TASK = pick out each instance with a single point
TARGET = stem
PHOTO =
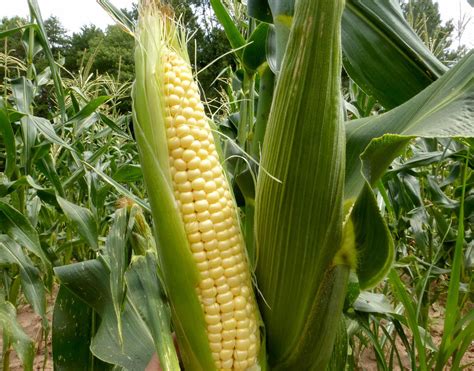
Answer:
(31, 41)
(6, 353)
(94, 330)
(246, 109)
(452, 302)
(265, 97)
(14, 290)
(386, 200)
(6, 68)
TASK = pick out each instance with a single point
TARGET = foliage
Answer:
(77, 55)
(424, 17)
(62, 172)
(12, 45)
(113, 54)
(58, 36)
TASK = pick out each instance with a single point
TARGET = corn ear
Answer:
(299, 220)
(201, 249)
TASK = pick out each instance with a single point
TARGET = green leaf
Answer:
(33, 210)
(400, 292)
(90, 281)
(31, 283)
(48, 168)
(282, 11)
(378, 45)
(113, 126)
(7, 187)
(118, 187)
(13, 31)
(298, 206)
(233, 34)
(36, 14)
(128, 174)
(19, 228)
(122, 19)
(383, 54)
(116, 255)
(82, 219)
(22, 90)
(373, 303)
(44, 77)
(442, 110)
(31, 42)
(375, 248)
(453, 311)
(259, 9)
(136, 349)
(90, 108)
(45, 127)
(265, 98)
(253, 55)
(72, 331)
(23, 345)
(9, 142)
(147, 295)
(425, 159)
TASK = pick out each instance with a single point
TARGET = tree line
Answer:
(110, 51)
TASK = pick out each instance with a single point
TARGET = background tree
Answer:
(12, 45)
(424, 17)
(113, 53)
(80, 46)
(58, 36)
(112, 50)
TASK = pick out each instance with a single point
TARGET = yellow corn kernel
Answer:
(210, 218)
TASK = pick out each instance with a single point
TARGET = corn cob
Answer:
(206, 207)
(210, 219)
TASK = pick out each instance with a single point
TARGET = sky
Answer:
(73, 14)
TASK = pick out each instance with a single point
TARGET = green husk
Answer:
(299, 222)
(157, 33)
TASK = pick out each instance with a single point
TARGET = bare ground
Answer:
(31, 324)
(368, 361)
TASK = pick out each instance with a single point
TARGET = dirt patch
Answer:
(367, 360)
(31, 324)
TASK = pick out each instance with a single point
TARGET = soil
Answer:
(368, 361)
(31, 323)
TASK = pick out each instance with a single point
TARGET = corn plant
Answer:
(54, 200)
(309, 232)
(291, 271)
(260, 254)
(213, 303)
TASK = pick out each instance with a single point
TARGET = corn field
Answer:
(317, 215)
